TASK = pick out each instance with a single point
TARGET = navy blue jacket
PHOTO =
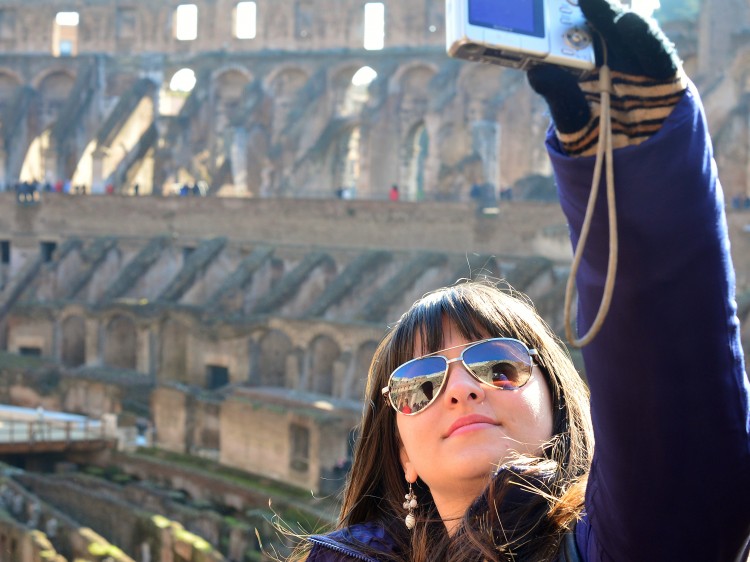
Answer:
(670, 478)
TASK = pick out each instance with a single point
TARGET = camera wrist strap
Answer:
(604, 151)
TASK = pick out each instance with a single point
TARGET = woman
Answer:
(475, 416)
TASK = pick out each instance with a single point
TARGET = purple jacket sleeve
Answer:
(671, 473)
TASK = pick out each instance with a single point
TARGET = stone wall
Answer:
(279, 115)
(287, 436)
(262, 353)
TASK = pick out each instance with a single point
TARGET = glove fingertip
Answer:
(655, 53)
(602, 14)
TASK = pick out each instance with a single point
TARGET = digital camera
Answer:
(520, 33)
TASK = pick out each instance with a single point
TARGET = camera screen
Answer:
(516, 16)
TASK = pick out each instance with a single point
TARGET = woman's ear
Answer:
(410, 473)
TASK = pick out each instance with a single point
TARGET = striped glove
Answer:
(647, 81)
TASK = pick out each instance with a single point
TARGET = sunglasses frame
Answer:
(386, 390)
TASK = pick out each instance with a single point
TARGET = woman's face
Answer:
(460, 439)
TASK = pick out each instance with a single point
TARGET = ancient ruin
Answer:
(241, 320)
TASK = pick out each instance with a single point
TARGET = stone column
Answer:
(486, 143)
(364, 181)
(162, 157)
(432, 160)
(97, 169)
(50, 161)
(94, 342)
(238, 158)
(143, 350)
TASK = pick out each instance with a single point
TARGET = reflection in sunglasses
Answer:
(501, 363)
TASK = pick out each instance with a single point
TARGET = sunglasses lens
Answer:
(504, 364)
(414, 384)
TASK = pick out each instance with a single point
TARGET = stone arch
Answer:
(283, 87)
(173, 351)
(9, 84)
(347, 98)
(414, 90)
(362, 362)
(120, 342)
(275, 348)
(38, 81)
(285, 80)
(185, 71)
(477, 101)
(323, 355)
(413, 76)
(220, 73)
(73, 349)
(228, 88)
(54, 90)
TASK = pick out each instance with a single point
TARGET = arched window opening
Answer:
(120, 343)
(183, 81)
(275, 347)
(73, 341)
(357, 92)
(172, 96)
(324, 353)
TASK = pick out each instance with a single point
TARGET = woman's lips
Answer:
(469, 423)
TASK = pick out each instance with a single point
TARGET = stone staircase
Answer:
(68, 246)
(240, 277)
(287, 287)
(197, 262)
(347, 280)
(134, 270)
(377, 307)
(122, 111)
(128, 167)
(92, 256)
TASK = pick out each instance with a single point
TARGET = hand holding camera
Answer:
(520, 33)
(647, 81)
(646, 70)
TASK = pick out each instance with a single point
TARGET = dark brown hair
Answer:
(530, 504)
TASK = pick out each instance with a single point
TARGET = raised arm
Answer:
(671, 472)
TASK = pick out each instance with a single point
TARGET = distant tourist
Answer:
(393, 194)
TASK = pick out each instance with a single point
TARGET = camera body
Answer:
(520, 33)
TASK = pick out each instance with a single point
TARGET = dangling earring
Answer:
(410, 504)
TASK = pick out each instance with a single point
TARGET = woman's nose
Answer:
(461, 386)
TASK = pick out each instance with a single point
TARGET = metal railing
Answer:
(24, 431)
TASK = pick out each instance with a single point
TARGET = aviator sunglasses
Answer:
(502, 363)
